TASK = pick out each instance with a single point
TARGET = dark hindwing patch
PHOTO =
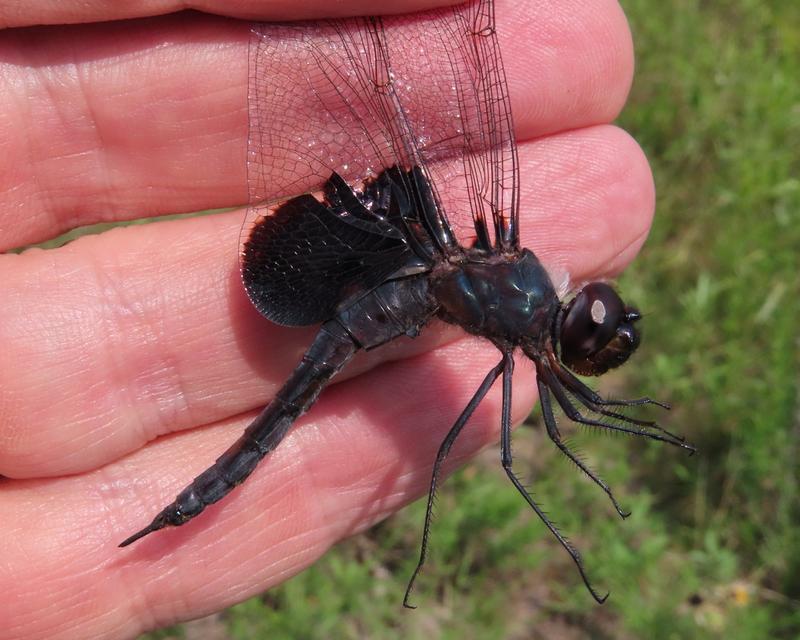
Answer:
(304, 258)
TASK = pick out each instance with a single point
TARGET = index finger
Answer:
(23, 14)
(122, 120)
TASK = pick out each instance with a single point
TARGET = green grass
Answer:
(711, 549)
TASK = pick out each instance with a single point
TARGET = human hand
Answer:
(119, 338)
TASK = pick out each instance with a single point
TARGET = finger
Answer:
(150, 117)
(367, 449)
(25, 13)
(145, 330)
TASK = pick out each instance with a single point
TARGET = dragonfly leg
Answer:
(506, 458)
(444, 449)
(574, 384)
(555, 435)
(576, 416)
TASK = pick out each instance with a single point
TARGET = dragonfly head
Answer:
(597, 330)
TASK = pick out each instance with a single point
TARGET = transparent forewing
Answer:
(320, 102)
(360, 95)
(461, 115)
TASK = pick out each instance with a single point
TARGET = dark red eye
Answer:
(597, 331)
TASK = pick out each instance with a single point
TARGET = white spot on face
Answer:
(598, 312)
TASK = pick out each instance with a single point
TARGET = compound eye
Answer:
(597, 332)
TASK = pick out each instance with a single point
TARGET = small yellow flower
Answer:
(741, 594)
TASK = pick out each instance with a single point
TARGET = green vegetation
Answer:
(711, 549)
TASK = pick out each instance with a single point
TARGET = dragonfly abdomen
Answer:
(330, 351)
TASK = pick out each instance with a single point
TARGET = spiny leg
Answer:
(444, 449)
(594, 402)
(574, 384)
(544, 380)
(576, 416)
(506, 458)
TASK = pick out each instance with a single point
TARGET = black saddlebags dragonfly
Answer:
(409, 211)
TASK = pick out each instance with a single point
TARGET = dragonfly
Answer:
(408, 185)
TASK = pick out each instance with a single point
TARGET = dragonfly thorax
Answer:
(508, 299)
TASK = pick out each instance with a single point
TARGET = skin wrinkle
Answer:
(162, 373)
(23, 106)
(157, 336)
(143, 395)
(45, 196)
(102, 167)
(36, 340)
(195, 411)
(70, 599)
(168, 413)
(142, 605)
(116, 311)
(95, 435)
(166, 378)
(161, 613)
(28, 161)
